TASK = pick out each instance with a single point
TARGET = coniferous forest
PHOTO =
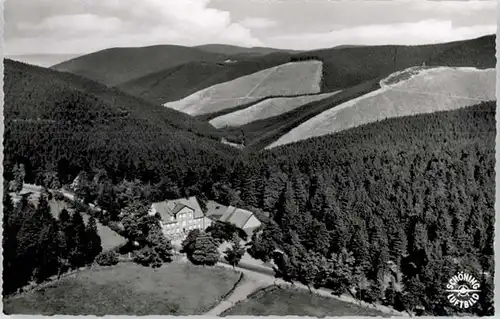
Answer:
(37, 246)
(387, 211)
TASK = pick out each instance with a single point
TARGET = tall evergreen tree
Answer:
(78, 239)
(93, 241)
(189, 242)
(234, 253)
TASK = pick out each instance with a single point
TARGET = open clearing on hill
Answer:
(292, 78)
(177, 288)
(266, 109)
(424, 91)
(273, 301)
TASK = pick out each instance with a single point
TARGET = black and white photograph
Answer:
(251, 158)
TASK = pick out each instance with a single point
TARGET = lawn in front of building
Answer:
(130, 289)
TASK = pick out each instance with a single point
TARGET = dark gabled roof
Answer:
(169, 208)
(236, 216)
(215, 209)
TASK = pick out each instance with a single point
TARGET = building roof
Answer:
(169, 208)
(236, 216)
(215, 210)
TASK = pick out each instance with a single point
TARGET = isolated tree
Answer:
(135, 220)
(189, 242)
(234, 253)
(147, 256)
(160, 244)
(205, 251)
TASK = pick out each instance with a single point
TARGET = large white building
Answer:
(179, 216)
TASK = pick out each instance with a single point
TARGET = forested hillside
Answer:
(36, 246)
(64, 123)
(350, 66)
(343, 67)
(411, 195)
(118, 65)
(417, 191)
(178, 82)
(259, 134)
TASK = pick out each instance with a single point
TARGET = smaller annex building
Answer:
(241, 218)
(179, 216)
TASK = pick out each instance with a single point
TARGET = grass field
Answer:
(181, 289)
(431, 90)
(265, 109)
(273, 301)
(287, 79)
(259, 134)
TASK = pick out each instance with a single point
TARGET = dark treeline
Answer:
(304, 57)
(36, 246)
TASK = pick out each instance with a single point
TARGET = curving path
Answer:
(256, 277)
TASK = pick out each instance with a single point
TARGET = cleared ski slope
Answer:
(265, 109)
(409, 92)
(292, 78)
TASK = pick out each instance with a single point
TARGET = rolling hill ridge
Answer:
(343, 67)
(53, 118)
(117, 65)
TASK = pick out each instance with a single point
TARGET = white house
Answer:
(179, 216)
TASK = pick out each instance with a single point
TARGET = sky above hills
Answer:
(83, 26)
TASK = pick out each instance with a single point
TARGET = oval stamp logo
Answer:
(463, 290)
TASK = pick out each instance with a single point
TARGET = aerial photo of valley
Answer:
(249, 158)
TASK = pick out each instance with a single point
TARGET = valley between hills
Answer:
(366, 173)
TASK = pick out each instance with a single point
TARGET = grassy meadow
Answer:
(440, 89)
(273, 301)
(286, 79)
(177, 288)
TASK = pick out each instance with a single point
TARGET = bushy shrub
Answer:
(148, 257)
(107, 258)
